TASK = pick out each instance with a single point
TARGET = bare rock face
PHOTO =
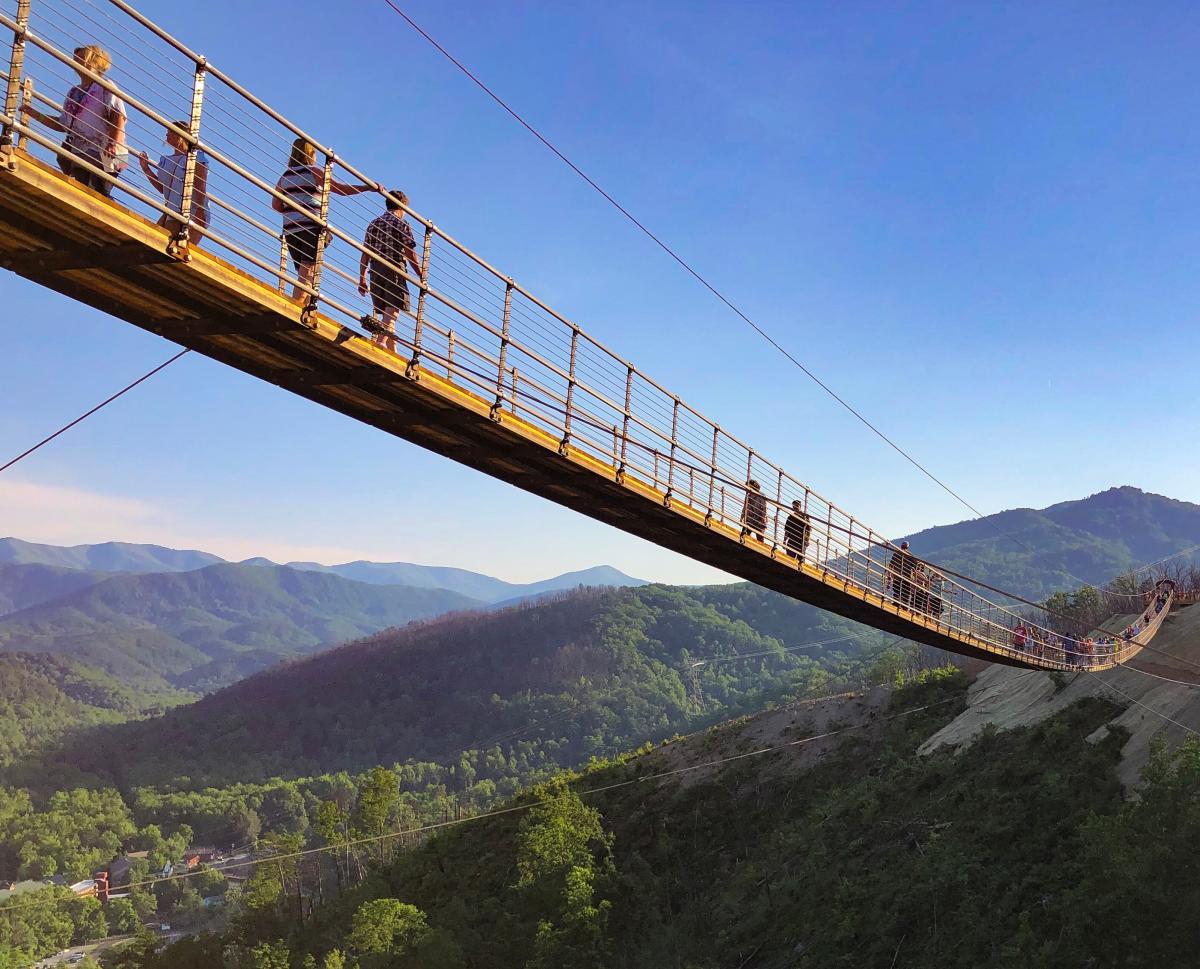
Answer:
(1155, 705)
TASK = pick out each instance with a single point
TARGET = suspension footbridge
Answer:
(485, 372)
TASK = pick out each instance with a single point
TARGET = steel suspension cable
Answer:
(84, 416)
(705, 282)
(1146, 706)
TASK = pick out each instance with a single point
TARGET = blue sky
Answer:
(975, 221)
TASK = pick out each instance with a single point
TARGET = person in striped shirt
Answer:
(301, 183)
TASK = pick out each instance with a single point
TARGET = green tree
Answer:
(557, 851)
(269, 955)
(188, 909)
(245, 825)
(387, 927)
(144, 903)
(122, 916)
(90, 923)
(11, 958)
(1134, 876)
(557, 836)
(377, 800)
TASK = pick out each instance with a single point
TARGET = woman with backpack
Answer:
(301, 184)
(93, 119)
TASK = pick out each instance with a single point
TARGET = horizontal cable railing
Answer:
(465, 319)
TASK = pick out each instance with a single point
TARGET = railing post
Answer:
(674, 445)
(712, 467)
(503, 362)
(850, 550)
(16, 68)
(307, 317)
(450, 355)
(828, 532)
(178, 246)
(625, 422)
(514, 391)
(283, 261)
(778, 503)
(414, 364)
(566, 438)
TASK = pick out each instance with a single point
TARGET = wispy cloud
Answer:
(64, 515)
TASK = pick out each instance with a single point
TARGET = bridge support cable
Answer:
(86, 414)
(487, 373)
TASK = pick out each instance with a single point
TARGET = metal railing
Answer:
(483, 330)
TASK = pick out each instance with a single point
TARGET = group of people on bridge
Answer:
(797, 529)
(909, 581)
(95, 152)
(919, 587)
(914, 584)
(1087, 650)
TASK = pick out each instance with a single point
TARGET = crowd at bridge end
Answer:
(920, 588)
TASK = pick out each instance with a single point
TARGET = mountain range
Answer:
(159, 619)
(126, 557)
(207, 627)
(1035, 552)
(199, 630)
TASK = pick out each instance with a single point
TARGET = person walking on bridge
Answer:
(389, 250)
(754, 512)
(93, 119)
(301, 184)
(796, 531)
(168, 177)
(900, 573)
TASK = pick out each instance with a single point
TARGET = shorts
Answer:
(85, 176)
(302, 243)
(389, 291)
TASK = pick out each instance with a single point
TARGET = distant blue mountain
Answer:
(126, 557)
(485, 588)
(107, 557)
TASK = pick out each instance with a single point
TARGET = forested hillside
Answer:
(592, 672)
(1018, 851)
(44, 699)
(447, 717)
(450, 716)
(22, 586)
(200, 629)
